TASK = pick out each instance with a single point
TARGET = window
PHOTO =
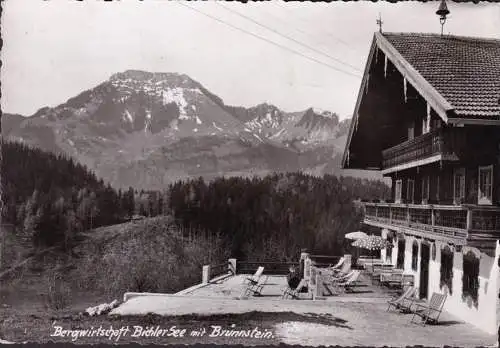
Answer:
(398, 191)
(388, 250)
(414, 256)
(438, 188)
(411, 131)
(470, 278)
(410, 190)
(425, 125)
(446, 269)
(485, 187)
(436, 124)
(400, 262)
(459, 186)
(425, 189)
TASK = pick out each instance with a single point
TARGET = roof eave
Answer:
(428, 92)
(355, 116)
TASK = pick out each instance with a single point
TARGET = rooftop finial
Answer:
(442, 12)
(379, 22)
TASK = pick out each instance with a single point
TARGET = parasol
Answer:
(371, 243)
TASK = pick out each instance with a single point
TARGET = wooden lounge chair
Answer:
(294, 293)
(407, 304)
(338, 264)
(391, 277)
(255, 289)
(346, 267)
(331, 282)
(431, 311)
(407, 295)
(348, 283)
(254, 279)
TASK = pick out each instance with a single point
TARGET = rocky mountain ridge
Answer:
(147, 129)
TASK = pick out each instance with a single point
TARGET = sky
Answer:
(293, 55)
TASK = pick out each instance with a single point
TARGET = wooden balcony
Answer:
(450, 223)
(441, 144)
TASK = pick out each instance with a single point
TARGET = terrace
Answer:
(356, 318)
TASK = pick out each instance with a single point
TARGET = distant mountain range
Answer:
(146, 130)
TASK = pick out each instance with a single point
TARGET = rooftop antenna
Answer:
(442, 12)
(379, 22)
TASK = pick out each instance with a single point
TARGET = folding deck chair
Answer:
(343, 284)
(294, 293)
(343, 270)
(254, 283)
(255, 289)
(391, 277)
(407, 295)
(338, 264)
(431, 311)
(330, 282)
(254, 279)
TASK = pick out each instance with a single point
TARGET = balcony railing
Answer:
(445, 220)
(442, 141)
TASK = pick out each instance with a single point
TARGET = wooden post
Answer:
(232, 266)
(2, 242)
(469, 219)
(205, 275)
(433, 218)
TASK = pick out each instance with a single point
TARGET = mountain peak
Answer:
(152, 77)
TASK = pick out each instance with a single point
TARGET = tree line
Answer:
(276, 216)
(50, 198)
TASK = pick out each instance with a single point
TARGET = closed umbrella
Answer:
(356, 235)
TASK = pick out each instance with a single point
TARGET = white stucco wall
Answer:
(485, 315)
(408, 257)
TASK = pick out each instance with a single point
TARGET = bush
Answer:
(151, 256)
(58, 291)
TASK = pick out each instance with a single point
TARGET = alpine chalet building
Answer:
(428, 117)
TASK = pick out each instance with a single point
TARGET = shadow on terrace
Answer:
(359, 302)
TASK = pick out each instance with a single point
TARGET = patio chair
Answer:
(330, 282)
(397, 301)
(338, 264)
(391, 276)
(348, 283)
(407, 304)
(255, 289)
(294, 293)
(345, 269)
(254, 279)
(431, 311)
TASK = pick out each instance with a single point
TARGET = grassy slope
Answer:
(108, 261)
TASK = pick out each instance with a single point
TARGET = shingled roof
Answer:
(464, 70)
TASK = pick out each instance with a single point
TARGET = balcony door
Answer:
(424, 270)
(398, 191)
(459, 186)
(426, 183)
(410, 191)
(485, 190)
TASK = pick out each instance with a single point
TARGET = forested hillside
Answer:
(274, 217)
(49, 198)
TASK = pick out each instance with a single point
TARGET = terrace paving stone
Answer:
(364, 314)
